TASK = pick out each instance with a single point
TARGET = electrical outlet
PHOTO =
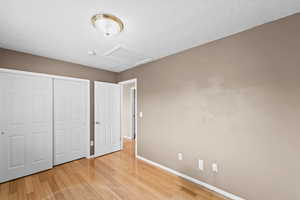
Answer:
(215, 167)
(180, 156)
(92, 143)
(201, 165)
(141, 114)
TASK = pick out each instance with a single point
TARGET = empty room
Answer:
(149, 100)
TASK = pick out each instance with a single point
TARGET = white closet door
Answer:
(70, 120)
(107, 118)
(26, 115)
(2, 126)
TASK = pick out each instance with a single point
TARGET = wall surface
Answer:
(236, 102)
(26, 62)
(127, 111)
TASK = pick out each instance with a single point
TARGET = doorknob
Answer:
(97, 123)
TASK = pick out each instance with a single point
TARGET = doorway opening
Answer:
(129, 115)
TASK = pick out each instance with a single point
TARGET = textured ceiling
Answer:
(61, 29)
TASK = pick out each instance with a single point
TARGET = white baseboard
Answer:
(90, 157)
(126, 137)
(210, 187)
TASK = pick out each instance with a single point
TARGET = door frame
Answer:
(132, 111)
(122, 83)
(88, 132)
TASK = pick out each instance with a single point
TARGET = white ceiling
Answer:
(154, 29)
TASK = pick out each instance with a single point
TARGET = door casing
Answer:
(122, 83)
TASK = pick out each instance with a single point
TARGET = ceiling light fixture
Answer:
(108, 24)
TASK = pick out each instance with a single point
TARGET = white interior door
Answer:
(26, 125)
(107, 118)
(70, 120)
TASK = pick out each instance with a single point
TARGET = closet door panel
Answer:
(78, 119)
(3, 128)
(26, 144)
(17, 133)
(41, 124)
(70, 120)
(61, 121)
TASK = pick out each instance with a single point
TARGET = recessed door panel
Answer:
(17, 150)
(75, 139)
(40, 109)
(18, 108)
(38, 142)
(60, 149)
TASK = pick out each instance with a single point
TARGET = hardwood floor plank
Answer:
(4, 191)
(39, 192)
(48, 191)
(28, 185)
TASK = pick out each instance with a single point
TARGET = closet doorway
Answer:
(44, 121)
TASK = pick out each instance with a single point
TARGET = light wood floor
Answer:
(117, 176)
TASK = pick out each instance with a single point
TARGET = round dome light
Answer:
(108, 24)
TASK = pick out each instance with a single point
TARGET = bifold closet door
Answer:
(70, 120)
(26, 145)
(107, 118)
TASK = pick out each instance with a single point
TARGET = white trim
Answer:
(131, 110)
(126, 137)
(121, 115)
(210, 187)
(88, 151)
(90, 157)
(41, 74)
(134, 80)
(128, 81)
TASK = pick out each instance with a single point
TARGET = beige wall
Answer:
(127, 111)
(235, 101)
(26, 62)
